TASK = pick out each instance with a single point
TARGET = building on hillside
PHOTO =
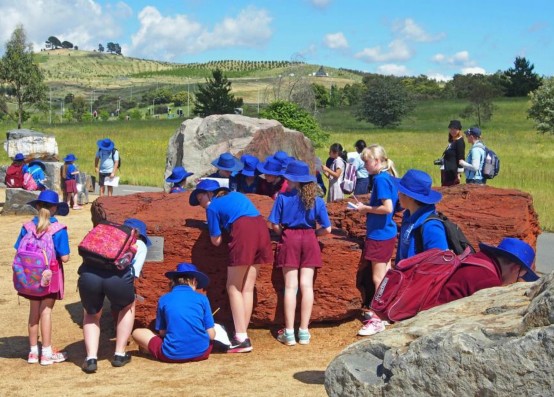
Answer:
(321, 72)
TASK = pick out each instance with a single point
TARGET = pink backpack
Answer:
(36, 271)
(109, 246)
(29, 182)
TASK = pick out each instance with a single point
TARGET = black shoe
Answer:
(120, 361)
(240, 347)
(89, 366)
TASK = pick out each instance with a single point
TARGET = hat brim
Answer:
(300, 178)
(70, 159)
(495, 251)
(262, 170)
(433, 197)
(62, 209)
(175, 179)
(201, 278)
(237, 165)
(193, 200)
(248, 172)
(99, 144)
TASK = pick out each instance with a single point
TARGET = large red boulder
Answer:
(484, 213)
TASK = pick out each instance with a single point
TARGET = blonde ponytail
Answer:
(43, 218)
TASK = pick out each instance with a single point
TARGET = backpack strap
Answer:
(54, 227)
(481, 260)
(418, 232)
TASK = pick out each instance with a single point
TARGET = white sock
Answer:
(120, 354)
(303, 330)
(241, 337)
(34, 349)
(91, 357)
(289, 331)
(46, 350)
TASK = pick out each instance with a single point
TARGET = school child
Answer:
(335, 172)
(70, 173)
(248, 179)
(14, 173)
(294, 216)
(380, 226)
(178, 178)
(363, 185)
(95, 284)
(273, 183)
(40, 311)
(36, 168)
(249, 247)
(184, 320)
(227, 166)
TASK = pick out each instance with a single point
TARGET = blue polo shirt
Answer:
(288, 211)
(177, 189)
(60, 238)
(70, 170)
(224, 211)
(382, 227)
(185, 315)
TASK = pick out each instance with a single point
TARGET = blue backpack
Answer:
(491, 165)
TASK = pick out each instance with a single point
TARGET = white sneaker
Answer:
(372, 326)
(55, 357)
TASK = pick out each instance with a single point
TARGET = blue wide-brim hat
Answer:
(205, 185)
(70, 157)
(417, 185)
(227, 162)
(51, 197)
(105, 144)
(518, 251)
(19, 157)
(270, 166)
(298, 171)
(140, 226)
(250, 162)
(188, 269)
(178, 174)
(39, 163)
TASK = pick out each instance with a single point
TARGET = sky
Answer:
(398, 37)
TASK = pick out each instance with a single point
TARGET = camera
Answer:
(438, 162)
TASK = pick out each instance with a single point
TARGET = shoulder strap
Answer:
(30, 226)
(479, 259)
(418, 233)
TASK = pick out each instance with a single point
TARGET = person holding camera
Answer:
(454, 152)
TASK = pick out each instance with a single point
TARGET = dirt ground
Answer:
(272, 369)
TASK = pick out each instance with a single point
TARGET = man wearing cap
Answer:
(475, 158)
(106, 163)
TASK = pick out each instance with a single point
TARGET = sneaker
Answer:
(120, 361)
(304, 337)
(77, 207)
(240, 347)
(55, 357)
(32, 358)
(372, 326)
(286, 339)
(90, 366)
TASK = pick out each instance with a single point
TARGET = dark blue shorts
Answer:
(102, 177)
(96, 284)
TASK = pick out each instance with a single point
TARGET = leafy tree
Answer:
(180, 98)
(68, 115)
(422, 87)
(67, 44)
(54, 41)
(385, 101)
(76, 48)
(353, 93)
(3, 108)
(18, 71)
(521, 78)
(135, 114)
(104, 115)
(100, 47)
(117, 48)
(480, 93)
(79, 108)
(110, 47)
(68, 98)
(336, 97)
(295, 117)
(215, 96)
(542, 106)
(321, 96)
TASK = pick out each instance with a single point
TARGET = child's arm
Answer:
(211, 333)
(384, 209)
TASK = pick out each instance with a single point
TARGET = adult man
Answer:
(106, 163)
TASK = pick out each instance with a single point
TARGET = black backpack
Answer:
(457, 241)
(113, 157)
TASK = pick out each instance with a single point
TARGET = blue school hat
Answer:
(19, 157)
(417, 185)
(271, 166)
(227, 162)
(51, 197)
(206, 185)
(188, 269)
(105, 144)
(140, 226)
(178, 174)
(518, 251)
(70, 157)
(250, 162)
(298, 171)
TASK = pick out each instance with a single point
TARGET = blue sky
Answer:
(401, 37)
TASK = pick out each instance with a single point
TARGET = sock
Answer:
(47, 350)
(303, 330)
(289, 331)
(120, 354)
(241, 337)
(91, 357)
(34, 349)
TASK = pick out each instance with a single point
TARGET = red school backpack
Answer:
(14, 176)
(416, 283)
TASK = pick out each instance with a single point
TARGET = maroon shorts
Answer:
(298, 248)
(71, 186)
(250, 243)
(155, 349)
(379, 251)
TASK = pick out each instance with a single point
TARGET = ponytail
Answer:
(43, 218)
(378, 152)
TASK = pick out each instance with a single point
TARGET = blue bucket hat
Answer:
(178, 174)
(206, 185)
(188, 269)
(250, 162)
(141, 227)
(51, 197)
(417, 185)
(19, 157)
(105, 144)
(518, 251)
(270, 166)
(227, 162)
(70, 157)
(298, 171)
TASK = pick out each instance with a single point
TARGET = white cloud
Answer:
(460, 60)
(398, 50)
(473, 70)
(165, 37)
(392, 69)
(320, 3)
(408, 29)
(439, 77)
(335, 41)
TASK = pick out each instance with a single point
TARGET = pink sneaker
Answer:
(55, 357)
(32, 358)
(372, 326)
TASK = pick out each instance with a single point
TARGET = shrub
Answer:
(542, 106)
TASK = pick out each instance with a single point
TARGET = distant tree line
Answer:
(54, 43)
(112, 48)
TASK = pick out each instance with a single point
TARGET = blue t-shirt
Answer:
(434, 235)
(106, 162)
(225, 210)
(185, 315)
(60, 238)
(177, 189)
(70, 170)
(380, 226)
(243, 187)
(288, 211)
(38, 174)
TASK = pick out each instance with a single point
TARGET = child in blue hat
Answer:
(227, 167)
(70, 173)
(178, 178)
(248, 179)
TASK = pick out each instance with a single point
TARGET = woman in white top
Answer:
(335, 173)
(473, 164)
